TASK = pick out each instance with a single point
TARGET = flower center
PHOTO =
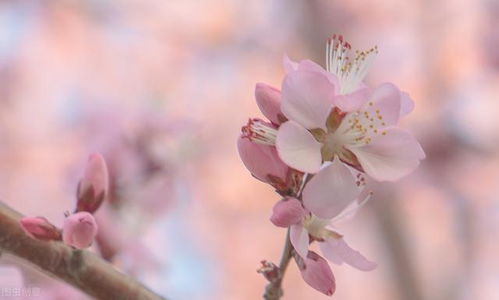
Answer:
(350, 72)
(316, 227)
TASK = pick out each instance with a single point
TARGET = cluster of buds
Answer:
(79, 228)
(327, 137)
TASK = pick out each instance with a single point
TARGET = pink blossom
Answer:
(332, 114)
(316, 272)
(94, 185)
(79, 230)
(312, 228)
(40, 228)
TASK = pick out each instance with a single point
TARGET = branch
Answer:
(274, 291)
(80, 268)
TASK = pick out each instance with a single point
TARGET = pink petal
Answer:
(318, 274)
(351, 210)
(353, 101)
(406, 104)
(299, 239)
(288, 64)
(261, 160)
(330, 191)
(385, 103)
(79, 230)
(307, 98)
(287, 212)
(390, 156)
(298, 148)
(338, 249)
(268, 100)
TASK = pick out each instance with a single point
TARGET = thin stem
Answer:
(274, 291)
(80, 268)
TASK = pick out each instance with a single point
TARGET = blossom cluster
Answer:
(79, 228)
(327, 136)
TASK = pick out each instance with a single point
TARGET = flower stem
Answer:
(274, 291)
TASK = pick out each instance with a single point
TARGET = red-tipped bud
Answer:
(287, 212)
(79, 230)
(316, 272)
(40, 228)
(93, 187)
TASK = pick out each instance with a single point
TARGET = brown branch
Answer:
(274, 291)
(80, 268)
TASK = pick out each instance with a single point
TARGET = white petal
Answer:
(298, 148)
(330, 191)
(307, 98)
(299, 239)
(337, 250)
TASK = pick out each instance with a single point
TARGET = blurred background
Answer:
(161, 88)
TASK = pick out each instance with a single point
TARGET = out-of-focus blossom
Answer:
(316, 272)
(94, 185)
(79, 230)
(334, 114)
(40, 228)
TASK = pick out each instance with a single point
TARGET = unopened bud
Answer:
(79, 230)
(93, 187)
(40, 228)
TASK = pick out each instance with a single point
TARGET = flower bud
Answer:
(40, 228)
(263, 162)
(93, 187)
(316, 272)
(268, 100)
(287, 212)
(79, 230)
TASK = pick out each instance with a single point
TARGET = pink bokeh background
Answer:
(161, 88)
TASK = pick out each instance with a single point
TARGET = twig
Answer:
(274, 291)
(80, 268)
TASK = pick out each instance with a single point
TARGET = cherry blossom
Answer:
(332, 113)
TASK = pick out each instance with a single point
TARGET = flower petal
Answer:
(298, 148)
(261, 160)
(307, 98)
(406, 104)
(330, 191)
(389, 156)
(337, 249)
(287, 212)
(385, 101)
(289, 65)
(299, 239)
(268, 100)
(353, 101)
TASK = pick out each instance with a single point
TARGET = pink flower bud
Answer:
(316, 272)
(79, 230)
(287, 212)
(93, 187)
(263, 162)
(268, 100)
(40, 228)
